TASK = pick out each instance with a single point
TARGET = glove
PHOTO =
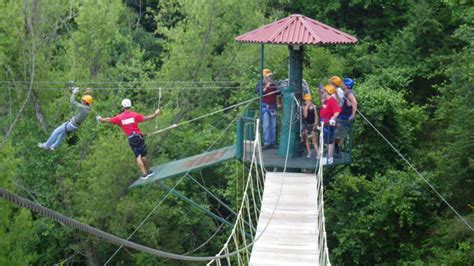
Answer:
(75, 90)
(88, 91)
(98, 118)
(332, 122)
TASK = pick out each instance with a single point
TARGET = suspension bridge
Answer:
(281, 218)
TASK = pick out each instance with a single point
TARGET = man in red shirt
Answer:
(129, 121)
(328, 115)
(270, 102)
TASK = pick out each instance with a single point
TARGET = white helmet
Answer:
(126, 103)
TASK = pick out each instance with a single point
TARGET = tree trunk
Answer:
(39, 114)
(91, 254)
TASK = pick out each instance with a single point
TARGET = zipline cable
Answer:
(416, 171)
(143, 88)
(129, 82)
(206, 115)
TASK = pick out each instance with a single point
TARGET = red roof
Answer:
(299, 30)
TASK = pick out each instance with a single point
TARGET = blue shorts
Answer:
(137, 144)
(329, 134)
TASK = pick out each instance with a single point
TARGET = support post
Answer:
(291, 139)
(239, 140)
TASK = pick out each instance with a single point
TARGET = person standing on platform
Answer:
(270, 102)
(337, 82)
(328, 115)
(348, 113)
(129, 121)
(310, 121)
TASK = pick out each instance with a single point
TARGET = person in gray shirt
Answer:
(83, 110)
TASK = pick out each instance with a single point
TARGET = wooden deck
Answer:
(273, 162)
(291, 235)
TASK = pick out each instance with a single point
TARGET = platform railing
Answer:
(341, 138)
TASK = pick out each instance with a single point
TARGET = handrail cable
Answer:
(416, 171)
(257, 143)
(322, 240)
(206, 115)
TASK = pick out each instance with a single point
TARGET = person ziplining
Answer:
(129, 121)
(83, 110)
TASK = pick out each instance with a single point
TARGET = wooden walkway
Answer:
(291, 235)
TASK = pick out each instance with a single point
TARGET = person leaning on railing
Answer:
(328, 114)
(348, 112)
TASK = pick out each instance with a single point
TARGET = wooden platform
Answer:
(291, 235)
(272, 160)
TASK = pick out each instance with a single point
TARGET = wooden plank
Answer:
(287, 232)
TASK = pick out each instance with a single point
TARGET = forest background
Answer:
(414, 73)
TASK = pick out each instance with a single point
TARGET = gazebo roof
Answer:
(297, 30)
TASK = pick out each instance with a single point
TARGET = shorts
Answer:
(137, 143)
(328, 133)
(308, 129)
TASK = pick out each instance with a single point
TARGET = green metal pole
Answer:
(294, 89)
(192, 203)
(239, 145)
(197, 206)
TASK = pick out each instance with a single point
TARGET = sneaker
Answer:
(43, 146)
(330, 160)
(266, 147)
(144, 176)
(308, 155)
(52, 148)
(151, 173)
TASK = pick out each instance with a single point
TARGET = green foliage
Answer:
(380, 220)
(413, 68)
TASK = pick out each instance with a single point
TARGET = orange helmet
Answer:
(87, 99)
(330, 89)
(267, 72)
(307, 97)
(336, 80)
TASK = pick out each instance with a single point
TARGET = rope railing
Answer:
(323, 252)
(244, 205)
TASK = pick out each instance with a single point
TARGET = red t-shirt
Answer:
(270, 99)
(329, 108)
(128, 121)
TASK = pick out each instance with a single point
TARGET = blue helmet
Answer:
(349, 83)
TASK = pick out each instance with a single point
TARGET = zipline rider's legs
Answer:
(58, 135)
